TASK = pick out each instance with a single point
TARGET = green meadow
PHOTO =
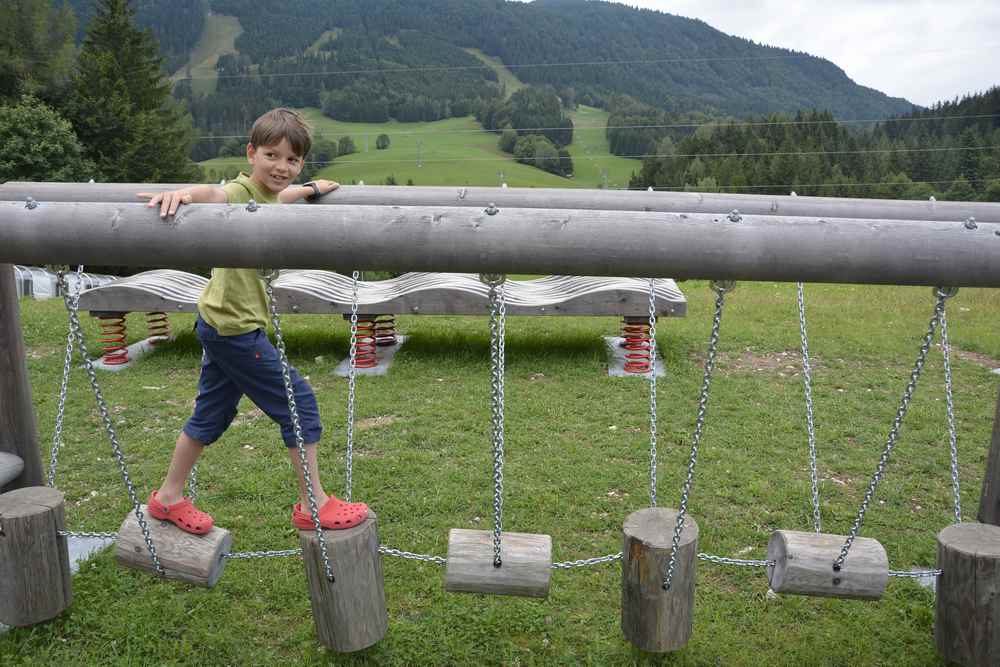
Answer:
(577, 466)
(217, 39)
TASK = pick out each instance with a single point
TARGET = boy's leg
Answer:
(186, 453)
(313, 463)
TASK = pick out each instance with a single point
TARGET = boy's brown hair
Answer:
(282, 123)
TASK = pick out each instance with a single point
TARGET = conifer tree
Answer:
(121, 107)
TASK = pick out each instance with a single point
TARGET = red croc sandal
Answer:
(182, 514)
(335, 514)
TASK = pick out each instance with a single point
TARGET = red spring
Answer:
(158, 325)
(637, 346)
(385, 330)
(112, 339)
(365, 356)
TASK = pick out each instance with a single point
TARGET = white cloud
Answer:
(923, 50)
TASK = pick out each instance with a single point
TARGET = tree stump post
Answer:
(654, 619)
(35, 583)
(989, 501)
(967, 619)
(18, 428)
(349, 612)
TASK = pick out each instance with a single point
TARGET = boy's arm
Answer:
(293, 193)
(196, 194)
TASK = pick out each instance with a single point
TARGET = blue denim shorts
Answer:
(232, 366)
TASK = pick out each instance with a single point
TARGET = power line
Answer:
(716, 123)
(790, 186)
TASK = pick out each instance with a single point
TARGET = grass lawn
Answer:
(577, 465)
(455, 152)
(217, 39)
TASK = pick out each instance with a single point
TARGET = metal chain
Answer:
(293, 410)
(897, 423)
(81, 343)
(57, 442)
(916, 574)
(585, 562)
(498, 312)
(950, 405)
(351, 383)
(720, 288)
(193, 483)
(262, 554)
(810, 425)
(742, 562)
(652, 394)
(102, 536)
(389, 551)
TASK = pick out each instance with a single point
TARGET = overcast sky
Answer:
(923, 50)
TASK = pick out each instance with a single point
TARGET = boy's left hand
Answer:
(326, 186)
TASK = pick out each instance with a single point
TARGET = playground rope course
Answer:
(661, 544)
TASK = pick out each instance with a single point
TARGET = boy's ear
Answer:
(251, 151)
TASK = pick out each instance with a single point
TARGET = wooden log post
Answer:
(18, 428)
(989, 501)
(525, 569)
(967, 620)
(196, 559)
(803, 565)
(654, 619)
(35, 583)
(349, 612)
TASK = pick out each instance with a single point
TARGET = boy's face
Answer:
(274, 166)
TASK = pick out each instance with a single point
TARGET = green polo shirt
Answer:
(234, 301)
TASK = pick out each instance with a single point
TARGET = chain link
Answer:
(389, 551)
(57, 442)
(282, 553)
(351, 383)
(102, 536)
(742, 562)
(897, 424)
(293, 410)
(498, 313)
(810, 424)
(949, 403)
(74, 319)
(570, 564)
(916, 574)
(720, 289)
(652, 394)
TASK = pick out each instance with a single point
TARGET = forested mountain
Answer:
(381, 55)
(950, 151)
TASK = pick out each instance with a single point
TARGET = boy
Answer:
(238, 358)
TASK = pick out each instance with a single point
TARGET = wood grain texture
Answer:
(654, 619)
(18, 428)
(967, 620)
(989, 501)
(526, 567)
(349, 612)
(804, 566)
(196, 559)
(35, 583)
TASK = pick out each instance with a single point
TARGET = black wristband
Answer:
(316, 193)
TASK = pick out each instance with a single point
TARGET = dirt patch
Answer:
(785, 363)
(975, 357)
(375, 422)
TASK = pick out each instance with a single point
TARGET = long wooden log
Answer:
(989, 500)
(803, 565)
(525, 568)
(546, 241)
(18, 428)
(564, 198)
(35, 582)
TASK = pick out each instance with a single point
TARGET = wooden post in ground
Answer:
(654, 619)
(349, 612)
(18, 429)
(967, 619)
(989, 501)
(34, 558)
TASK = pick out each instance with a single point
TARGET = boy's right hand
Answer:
(168, 201)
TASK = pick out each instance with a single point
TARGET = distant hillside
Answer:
(673, 63)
